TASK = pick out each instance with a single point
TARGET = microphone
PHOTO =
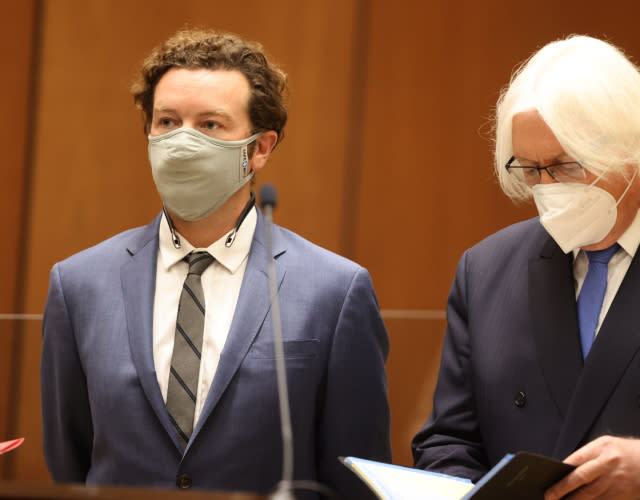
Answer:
(285, 486)
(268, 198)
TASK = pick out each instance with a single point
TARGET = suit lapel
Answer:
(138, 278)
(555, 324)
(616, 344)
(250, 314)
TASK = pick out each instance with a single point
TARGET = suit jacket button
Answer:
(184, 481)
(520, 399)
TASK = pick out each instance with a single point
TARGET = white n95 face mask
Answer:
(194, 173)
(575, 214)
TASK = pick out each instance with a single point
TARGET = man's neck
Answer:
(204, 232)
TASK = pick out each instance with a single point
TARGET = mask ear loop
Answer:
(635, 173)
(252, 199)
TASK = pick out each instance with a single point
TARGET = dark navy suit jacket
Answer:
(105, 421)
(512, 375)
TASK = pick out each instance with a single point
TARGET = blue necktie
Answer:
(592, 295)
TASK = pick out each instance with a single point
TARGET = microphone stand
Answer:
(284, 490)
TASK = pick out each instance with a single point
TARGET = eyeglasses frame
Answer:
(546, 168)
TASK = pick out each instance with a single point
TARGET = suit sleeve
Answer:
(450, 442)
(354, 417)
(66, 416)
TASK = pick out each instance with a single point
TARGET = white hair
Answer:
(588, 93)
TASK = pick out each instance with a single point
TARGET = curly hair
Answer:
(202, 49)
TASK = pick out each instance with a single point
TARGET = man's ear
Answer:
(263, 147)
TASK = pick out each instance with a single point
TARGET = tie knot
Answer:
(198, 262)
(602, 256)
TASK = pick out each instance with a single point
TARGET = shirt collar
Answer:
(229, 257)
(629, 240)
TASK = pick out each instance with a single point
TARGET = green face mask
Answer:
(194, 173)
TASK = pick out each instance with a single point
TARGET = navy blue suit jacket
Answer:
(512, 375)
(104, 418)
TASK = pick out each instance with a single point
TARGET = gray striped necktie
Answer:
(185, 361)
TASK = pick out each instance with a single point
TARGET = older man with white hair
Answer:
(542, 349)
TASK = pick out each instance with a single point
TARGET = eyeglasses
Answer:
(568, 171)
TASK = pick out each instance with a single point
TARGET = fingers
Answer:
(608, 467)
(590, 451)
(583, 475)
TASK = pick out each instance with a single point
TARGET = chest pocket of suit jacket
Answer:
(293, 349)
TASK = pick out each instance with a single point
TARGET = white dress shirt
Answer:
(618, 266)
(221, 283)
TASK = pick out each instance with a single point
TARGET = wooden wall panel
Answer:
(415, 344)
(428, 191)
(435, 71)
(17, 33)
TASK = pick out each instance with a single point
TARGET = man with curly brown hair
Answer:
(158, 356)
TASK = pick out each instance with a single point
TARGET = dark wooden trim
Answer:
(355, 131)
(22, 236)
